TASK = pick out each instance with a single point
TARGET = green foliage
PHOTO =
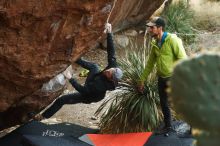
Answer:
(179, 19)
(207, 139)
(131, 111)
(134, 62)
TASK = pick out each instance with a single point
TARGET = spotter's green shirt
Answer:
(165, 57)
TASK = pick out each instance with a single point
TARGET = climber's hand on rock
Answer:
(108, 28)
(68, 73)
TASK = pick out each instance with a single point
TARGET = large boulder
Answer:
(40, 39)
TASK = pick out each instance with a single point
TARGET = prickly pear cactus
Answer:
(195, 91)
(207, 139)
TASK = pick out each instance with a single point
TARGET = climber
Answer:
(96, 84)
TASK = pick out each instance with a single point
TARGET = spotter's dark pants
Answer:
(162, 86)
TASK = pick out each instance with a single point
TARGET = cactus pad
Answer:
(195, 91)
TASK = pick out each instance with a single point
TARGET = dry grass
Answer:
(207, 14)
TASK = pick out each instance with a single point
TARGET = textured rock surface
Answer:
(39, 39)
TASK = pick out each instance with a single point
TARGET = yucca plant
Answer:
(129, 110)
(180, 20)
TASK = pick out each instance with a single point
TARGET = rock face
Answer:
(39, 39)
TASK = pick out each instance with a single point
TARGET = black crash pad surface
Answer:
(54, 134)
(65, 134)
